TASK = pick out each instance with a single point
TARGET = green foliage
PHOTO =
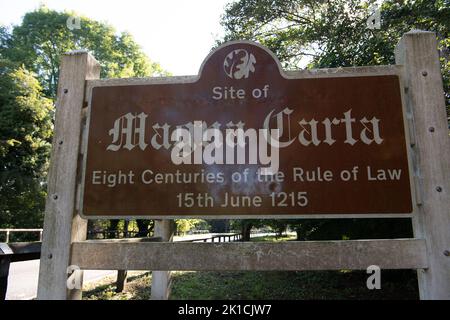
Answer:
(265, 285)
(25, 134)
(5, 38)
(43, 37)
(185, 225)
(326, 34)
(334, 33)
(218, 225)
(274, 238)
(343, 229)
(289, 285)
(278, 226)
(26, 118)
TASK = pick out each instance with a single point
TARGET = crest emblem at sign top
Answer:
(239, 63)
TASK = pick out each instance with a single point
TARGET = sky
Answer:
(176, 33)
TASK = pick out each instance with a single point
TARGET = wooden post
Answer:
(417, 52)
(121, 280)
(161, 280)
(5, 261)
(4, 272)
(62, 224)
(7, 236)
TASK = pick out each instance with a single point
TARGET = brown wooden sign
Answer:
(245, 139)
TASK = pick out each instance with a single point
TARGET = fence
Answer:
(118, 234)
(17, 252)
(101, 234)
(10, 231)
(111, 234)
(230, 237)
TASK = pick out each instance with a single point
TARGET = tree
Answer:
(279, 226)
(246, 226)
(335, 33)
(37, 44)
(145, 227)
(219, 225)
(43, 36)
(185, 225)
(5, 38)
(324, 34)
(25, 134)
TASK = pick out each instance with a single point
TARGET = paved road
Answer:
(23, 279)
(23, 276)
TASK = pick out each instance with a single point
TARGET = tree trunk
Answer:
(112, 230)
(143, 228)
(245, 230)
(125, 229)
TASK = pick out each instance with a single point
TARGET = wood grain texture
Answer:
(313, 255)
(417, 52)
(62, 225)
(162, 280)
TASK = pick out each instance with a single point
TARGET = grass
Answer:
(137, 288)
(282, 285)
(274, 238)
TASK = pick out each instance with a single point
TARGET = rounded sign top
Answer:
(239, 61)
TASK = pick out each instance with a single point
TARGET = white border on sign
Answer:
(297, 74)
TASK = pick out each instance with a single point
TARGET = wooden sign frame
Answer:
(64, 239)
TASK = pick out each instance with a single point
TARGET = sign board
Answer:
(245, 139)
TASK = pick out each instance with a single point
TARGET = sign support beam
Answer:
(424, 91)
(62, 223)
(161, 280)
(251, 256)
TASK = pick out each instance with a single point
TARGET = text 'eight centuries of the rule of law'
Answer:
(246, 176)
